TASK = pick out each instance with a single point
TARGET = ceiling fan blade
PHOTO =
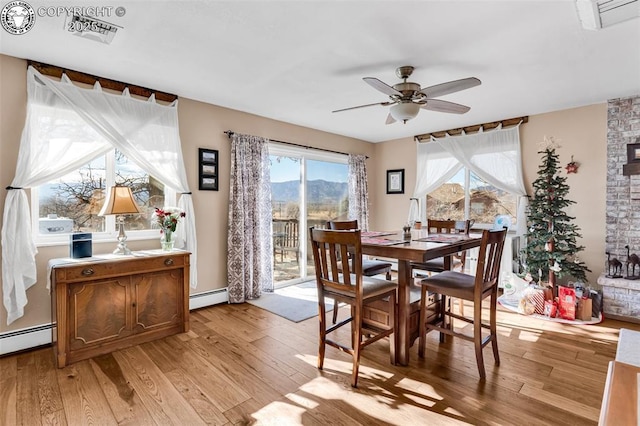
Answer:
(381, 86)
(363, 106)
(390, 119)
(445, 106)
(450, 87)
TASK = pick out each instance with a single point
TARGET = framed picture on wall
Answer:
(395, 181)
(633, 152)
(208, 169)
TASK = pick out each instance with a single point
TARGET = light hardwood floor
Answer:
(243, 365)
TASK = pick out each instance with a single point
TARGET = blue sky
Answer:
(287, 169)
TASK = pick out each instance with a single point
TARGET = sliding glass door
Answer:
(308, 188)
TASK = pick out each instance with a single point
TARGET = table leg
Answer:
(404, 312)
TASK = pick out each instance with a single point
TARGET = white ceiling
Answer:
(296, 61)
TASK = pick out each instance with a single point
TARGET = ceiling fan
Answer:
(407, 98)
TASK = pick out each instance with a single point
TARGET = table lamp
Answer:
(120, 202)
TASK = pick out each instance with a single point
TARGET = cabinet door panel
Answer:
(159, 299)
(99, 311)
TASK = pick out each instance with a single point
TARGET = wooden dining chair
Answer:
(370, 267)
(476, 288)
(348, 284)
(441, 264)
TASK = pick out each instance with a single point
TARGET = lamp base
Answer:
(122, 237)
(122, 249)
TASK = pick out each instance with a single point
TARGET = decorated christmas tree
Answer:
(551, 248)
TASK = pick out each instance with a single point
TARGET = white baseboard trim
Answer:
(208, 298)
(26, 338)
(31, 337)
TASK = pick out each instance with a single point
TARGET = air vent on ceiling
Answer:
(597, 14)
(91, 28)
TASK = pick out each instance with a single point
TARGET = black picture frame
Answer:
(395, 181)
(633, 153)
(208, 169)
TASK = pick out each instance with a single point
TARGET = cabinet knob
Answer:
(88, 271)
(168, 262)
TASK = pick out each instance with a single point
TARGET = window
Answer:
(72, 203)
(466, 196)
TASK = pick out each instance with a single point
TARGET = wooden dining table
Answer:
(422, 247)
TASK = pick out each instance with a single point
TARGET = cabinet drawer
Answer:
(98, 270)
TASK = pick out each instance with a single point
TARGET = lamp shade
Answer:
(119, 201)
(404, 111)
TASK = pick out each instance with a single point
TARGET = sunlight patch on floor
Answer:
(453, 412)
(413, 387)
(528, 336)
(302, 401)
(279, 413)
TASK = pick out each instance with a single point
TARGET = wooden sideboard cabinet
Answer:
(112, 302)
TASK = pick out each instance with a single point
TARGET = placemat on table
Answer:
(382, 241)
(373, 234)
(443, 238)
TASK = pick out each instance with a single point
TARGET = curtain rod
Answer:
(105, 83)
(426, 137)
(230, 133)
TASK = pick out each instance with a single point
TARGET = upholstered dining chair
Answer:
(370, 267)
(472, 288)
(349, 285)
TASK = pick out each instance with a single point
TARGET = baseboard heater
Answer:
(32, 337)
(25, 338)
(208, 298)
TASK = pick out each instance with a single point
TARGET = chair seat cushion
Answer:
(372, 267)
(435, 265)
(375, 267)
(370, 287)
(451, 283)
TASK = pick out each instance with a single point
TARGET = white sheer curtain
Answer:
(66, 127)
(436, 166)
(249, 240)
(358, 192)
(495, 156)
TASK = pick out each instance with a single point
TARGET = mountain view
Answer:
(319, 191)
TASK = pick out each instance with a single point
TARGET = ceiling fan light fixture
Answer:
(404, 111)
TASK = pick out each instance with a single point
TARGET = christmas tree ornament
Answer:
(572, 167)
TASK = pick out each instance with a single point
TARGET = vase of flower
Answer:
(167, 219)
(166, 239)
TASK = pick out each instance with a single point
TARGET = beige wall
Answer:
(201, 126)
(582, 132)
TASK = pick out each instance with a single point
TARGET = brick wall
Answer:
(623, 202)
(623, 192)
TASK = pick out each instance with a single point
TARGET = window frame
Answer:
(111, 233)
